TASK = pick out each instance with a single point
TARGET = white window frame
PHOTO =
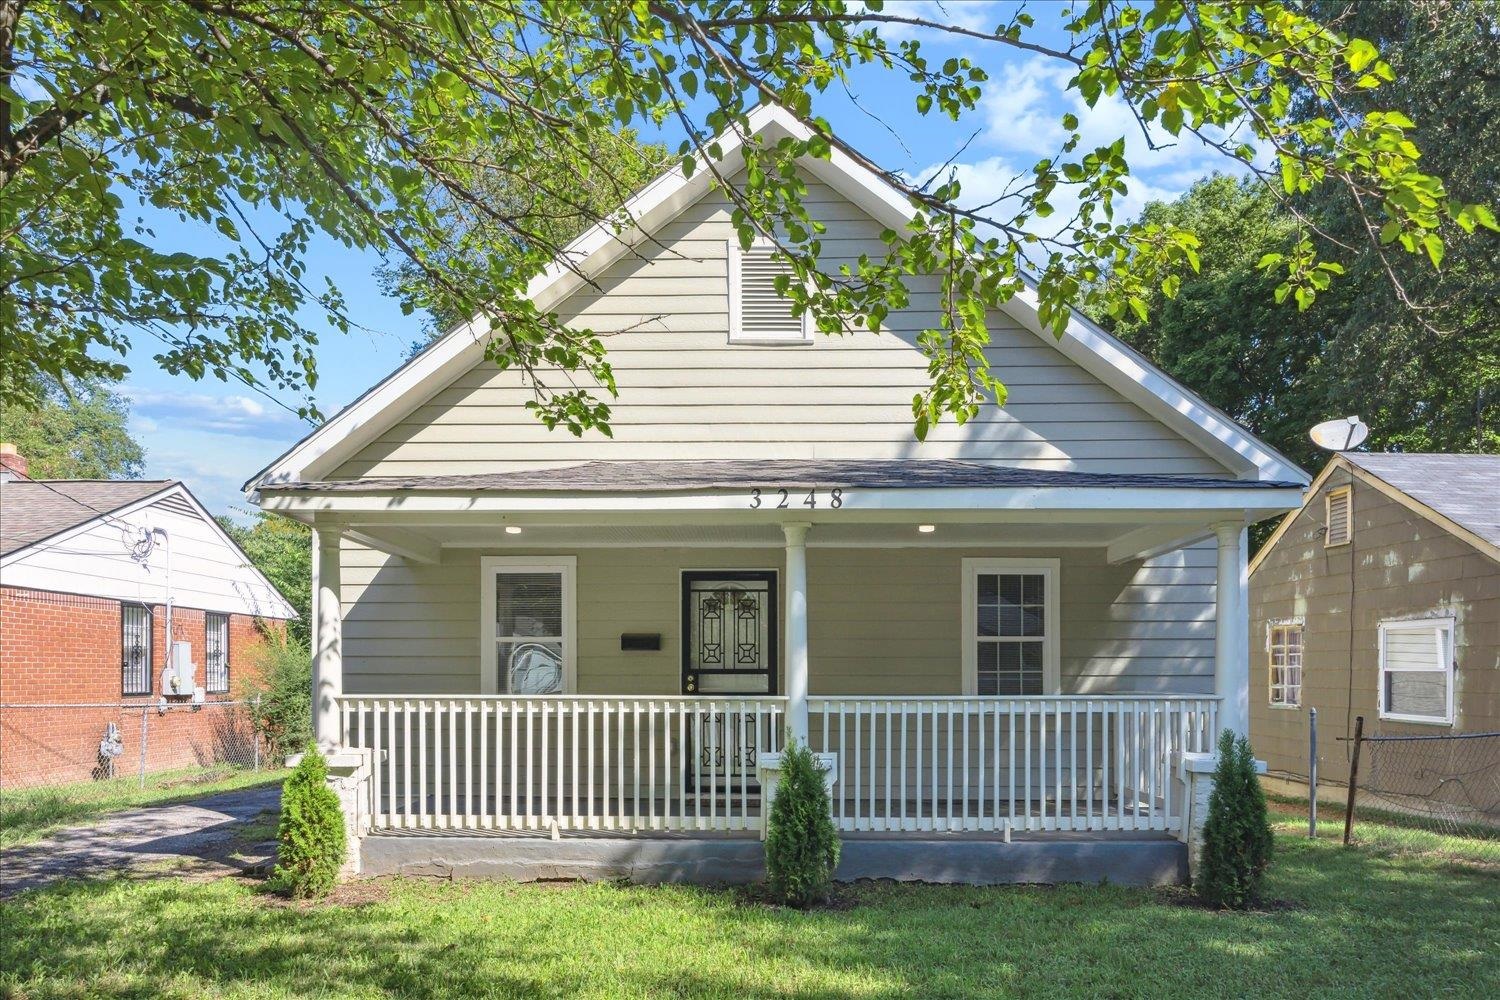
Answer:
(1445, 625)
(1271, 627)
(1348, 493)
(736, 325)
(489, 566)
(1050, 570)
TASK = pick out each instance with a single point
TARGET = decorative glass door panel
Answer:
(729, 648)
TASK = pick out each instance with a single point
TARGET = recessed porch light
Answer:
(512, 529)
(926, 529)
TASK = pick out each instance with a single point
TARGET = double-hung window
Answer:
(1416, 670)
(135, 649)
(528, 624)
(1011, 627)
(1284, 646)
(215, 653)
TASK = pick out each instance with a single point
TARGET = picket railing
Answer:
(987, 763)
(690, 763)
(573, 763)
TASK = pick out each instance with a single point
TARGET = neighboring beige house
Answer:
(1019, 624)
(1379, 598)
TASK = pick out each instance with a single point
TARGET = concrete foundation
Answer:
(1121, 859)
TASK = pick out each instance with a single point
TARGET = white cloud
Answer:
(230, 413)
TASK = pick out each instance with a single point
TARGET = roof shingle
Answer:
(32, 510)
(1463, 488)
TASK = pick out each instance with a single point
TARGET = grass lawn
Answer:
(1351, 922)
(31, 813)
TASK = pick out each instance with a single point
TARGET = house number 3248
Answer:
(781, 499)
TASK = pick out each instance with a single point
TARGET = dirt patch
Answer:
(351, 895)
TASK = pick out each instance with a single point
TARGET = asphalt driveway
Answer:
(218, 834)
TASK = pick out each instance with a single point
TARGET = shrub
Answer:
(310, 841)
(802, 847)
(281, 677)
(1237, 833)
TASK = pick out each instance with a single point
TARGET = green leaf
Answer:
(1359, 54)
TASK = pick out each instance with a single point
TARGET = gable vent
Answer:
(757, 312)
(1340, 517)
(177, 504)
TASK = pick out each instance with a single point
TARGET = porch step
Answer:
(1122, 860)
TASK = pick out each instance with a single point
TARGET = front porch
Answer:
(984, 657)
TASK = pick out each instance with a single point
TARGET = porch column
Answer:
(796, 629)
(1232, 630)
(328, 639)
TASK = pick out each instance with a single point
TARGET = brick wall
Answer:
(66, 649)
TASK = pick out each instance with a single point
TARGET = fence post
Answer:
(255, 730)
(1312, 773)
(145, 713)
(1359, 732)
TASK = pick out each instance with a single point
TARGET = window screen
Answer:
(216, 653)
(1416, 670)
(1285, 642)
(135, 649)
(529, 650)
(1012, 629)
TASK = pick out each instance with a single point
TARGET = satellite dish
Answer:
(1340, 435)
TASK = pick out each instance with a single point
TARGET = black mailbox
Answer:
(640, 640)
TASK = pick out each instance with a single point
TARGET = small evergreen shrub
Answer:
(1237, 833)
(802, 846)
(310, 841)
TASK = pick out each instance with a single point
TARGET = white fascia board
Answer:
(1099, 353)
(1258, 500)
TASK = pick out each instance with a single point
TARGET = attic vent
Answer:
(1340, 516)
(758, 314)
(177, 504)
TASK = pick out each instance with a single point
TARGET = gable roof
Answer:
(1460, 493)
(33, 510)
(1084, 343)
(36, 514)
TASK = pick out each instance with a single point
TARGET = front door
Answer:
(729, 646)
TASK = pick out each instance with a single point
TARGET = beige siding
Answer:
(881, 621)
(686, 393)
(1399, 565)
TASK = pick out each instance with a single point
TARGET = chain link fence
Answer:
(67, 762)
(1435, 794)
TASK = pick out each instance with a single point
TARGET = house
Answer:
(1024, 625)
(1379, 597)
(94, 577)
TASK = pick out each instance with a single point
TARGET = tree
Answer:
(623, 163)
(281, 549)
(268, 121)
(1425, 376)
(1237, 840)
(78, 430)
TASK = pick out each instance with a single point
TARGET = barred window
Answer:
(1285, 645)
(135, 649)
(216, 653)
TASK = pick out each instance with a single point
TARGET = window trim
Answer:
(1446, 626)
(1271, 627)
(489, 566)
(1346, 491)
(1050, 570)
(208, 617)
(150, 649)
(733, 255)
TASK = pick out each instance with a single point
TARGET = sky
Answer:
(214, 436)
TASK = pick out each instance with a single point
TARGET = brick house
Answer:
(91, 572)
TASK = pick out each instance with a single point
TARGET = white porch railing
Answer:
(579, 763)
(1034, 763)
(689, 763)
